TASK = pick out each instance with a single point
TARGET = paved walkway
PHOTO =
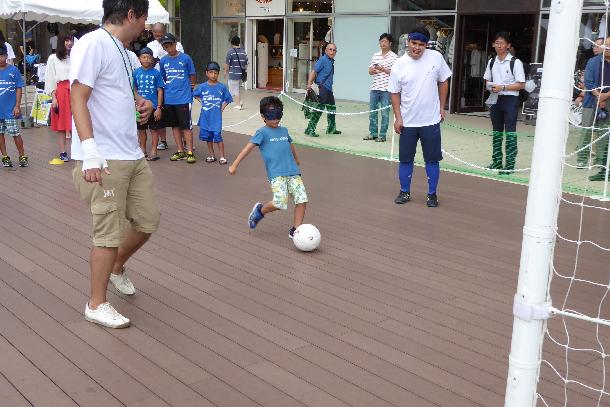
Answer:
(400, 306)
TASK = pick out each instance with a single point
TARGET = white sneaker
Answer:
(122, 283)
(106, 315)
(238, 107)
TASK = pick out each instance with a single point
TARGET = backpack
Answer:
(523, 94)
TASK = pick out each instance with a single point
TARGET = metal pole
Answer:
(25, 80)
(540, 227)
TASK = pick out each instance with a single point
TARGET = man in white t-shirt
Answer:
(111, 173)
(379, 69)
(418, 88)
(504, 78)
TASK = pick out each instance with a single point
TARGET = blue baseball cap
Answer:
(212, 66)
(146, 50)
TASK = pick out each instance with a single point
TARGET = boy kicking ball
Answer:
(281, 162)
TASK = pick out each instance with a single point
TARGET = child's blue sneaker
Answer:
(255, 215)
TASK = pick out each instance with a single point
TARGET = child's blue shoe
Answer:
(255, 215)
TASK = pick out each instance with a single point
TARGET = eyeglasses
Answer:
(332, 49)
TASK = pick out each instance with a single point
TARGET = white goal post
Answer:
(539, 233)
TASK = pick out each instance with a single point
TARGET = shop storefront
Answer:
(284, 38)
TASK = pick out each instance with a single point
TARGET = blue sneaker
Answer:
(64, 157)
(255, 215)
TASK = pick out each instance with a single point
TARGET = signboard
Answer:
(41, 109)
(263, 8)
(530, 107)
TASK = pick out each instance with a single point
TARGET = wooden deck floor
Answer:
(400, 306)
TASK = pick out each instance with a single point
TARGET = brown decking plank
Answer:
(10, 395)
(29, 380)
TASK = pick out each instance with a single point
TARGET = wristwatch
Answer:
(503, 88)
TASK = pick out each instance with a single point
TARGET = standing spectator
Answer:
(178, 72)
(380, 68)
(10, 53)
(595, 102)
(504, 78)
(53, 42)
(323, 74)
(597, 46)
(11, 88)
(158, 31)
(105, 119)
(149, 84)
(235, 66)
(419, 87)
(57, 84)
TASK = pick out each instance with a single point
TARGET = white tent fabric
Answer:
(70, 11)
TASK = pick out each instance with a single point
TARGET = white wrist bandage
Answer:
(91, 156)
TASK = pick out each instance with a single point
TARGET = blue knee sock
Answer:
(433, 171)
(405, 173)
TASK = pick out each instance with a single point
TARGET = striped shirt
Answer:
(382, 80)
(234, 64)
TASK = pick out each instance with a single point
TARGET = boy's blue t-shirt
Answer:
(147, 83)
(10, 80)
(274, 144)
(212, 98)
(176, 73)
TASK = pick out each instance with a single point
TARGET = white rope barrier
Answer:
(241, 122)
(335, 113)
(478, 166)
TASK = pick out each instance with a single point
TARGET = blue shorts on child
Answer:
(210, 136)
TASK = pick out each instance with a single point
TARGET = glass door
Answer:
(303, 47)
(474, 56)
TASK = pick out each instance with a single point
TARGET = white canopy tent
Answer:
(66, 11)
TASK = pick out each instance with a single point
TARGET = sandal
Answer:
(369, 138)
(380, 140)
(210, 159)
(222, 161)
(153, 158)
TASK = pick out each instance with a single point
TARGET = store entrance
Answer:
(475, 49)
(269, 54)
(305, 40)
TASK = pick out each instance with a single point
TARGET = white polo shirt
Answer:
(159, 52)
(502, 75)
(417, 82)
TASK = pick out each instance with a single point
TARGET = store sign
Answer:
(261, 8)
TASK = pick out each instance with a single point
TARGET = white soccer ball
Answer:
(306, 238)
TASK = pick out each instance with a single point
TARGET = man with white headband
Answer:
(418, 89)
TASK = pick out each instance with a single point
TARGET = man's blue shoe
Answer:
(255, 215)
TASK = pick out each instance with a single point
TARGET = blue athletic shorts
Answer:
(430, 137)
(210, 136)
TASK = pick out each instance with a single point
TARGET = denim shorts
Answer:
(10, 127)
(210, 136)
(284, 186)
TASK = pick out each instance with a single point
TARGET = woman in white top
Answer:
(9, 50)
(57, 85)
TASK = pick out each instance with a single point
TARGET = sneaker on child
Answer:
(256, 215)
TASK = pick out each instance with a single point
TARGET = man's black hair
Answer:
(505, 35)
(271, 103)
(235, 41)
(115, 11)
(2, 39)
(420, 29)
(387, 36)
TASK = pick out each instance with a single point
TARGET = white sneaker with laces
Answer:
(238, 107)
(122, 283)
(106, 315)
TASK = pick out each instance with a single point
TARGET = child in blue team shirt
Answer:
(178, 72)
(149, 84)
(214, 97)
(281, 162)
(11, 85)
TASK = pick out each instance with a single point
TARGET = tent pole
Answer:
(25, 119)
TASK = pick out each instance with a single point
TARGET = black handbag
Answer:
(244, 73)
